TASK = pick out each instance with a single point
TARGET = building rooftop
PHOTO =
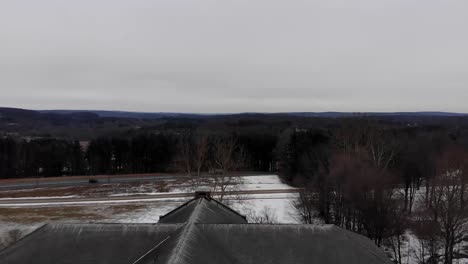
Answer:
(203, 230)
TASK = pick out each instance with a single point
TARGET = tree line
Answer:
(136, 153)
(41, 157)
(382, 182)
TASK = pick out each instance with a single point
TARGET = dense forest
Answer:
(140, 153)
(381, 181)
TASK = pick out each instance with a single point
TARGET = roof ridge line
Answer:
(177, 252)
(151, 250)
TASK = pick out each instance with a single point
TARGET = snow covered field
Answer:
(279, 205)
(19, 218)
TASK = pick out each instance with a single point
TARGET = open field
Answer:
(90, 190)
(131, 203)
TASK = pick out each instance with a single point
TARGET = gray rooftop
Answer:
(87, 243)
(204, 210)
(202, 230)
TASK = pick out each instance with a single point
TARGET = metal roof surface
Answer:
(207, 210)
(87, 243)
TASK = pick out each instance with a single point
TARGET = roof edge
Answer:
(37, 230)
(178, 207)
(230, 209)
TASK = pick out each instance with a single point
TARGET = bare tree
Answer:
(265, 216)
(398, 222)
(448, 212)
(382, 147)
(185, 154)
(454, 159)
(227, 157)
(429, 243)
(306, 205)
(362, 194)
(193, 154)
(414, 165)
(200, 153)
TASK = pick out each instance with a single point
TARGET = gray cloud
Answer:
(235, 56)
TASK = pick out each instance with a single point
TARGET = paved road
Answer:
(125, 199)
(101, 179)
(40, 183)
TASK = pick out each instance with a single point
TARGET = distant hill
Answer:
(383, 114)
(125, 114)
(15, 114)
(85, 124)
(79, 124)
(156, 115)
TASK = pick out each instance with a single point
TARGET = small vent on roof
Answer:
(203, 194)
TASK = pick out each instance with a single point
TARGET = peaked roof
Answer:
(203, 231)
(203, 209)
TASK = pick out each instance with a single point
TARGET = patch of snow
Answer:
(246, 183)
(279, 205)
(40, 197)
(173, 191)
(264, 182)
(149, 214)
(90, 202)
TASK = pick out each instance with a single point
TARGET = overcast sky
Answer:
(235, 55)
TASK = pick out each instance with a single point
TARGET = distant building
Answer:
(202, 231)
